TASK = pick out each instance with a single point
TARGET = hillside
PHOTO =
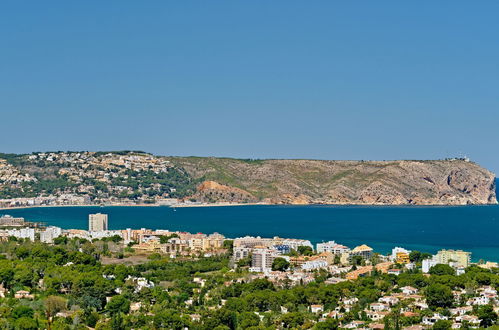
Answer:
(138, 177)
(439, 182)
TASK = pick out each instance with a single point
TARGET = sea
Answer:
(423, 228)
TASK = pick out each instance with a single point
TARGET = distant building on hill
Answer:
(97, 222)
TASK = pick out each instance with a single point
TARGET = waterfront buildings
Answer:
(97, 222)
(10, 221)
(282, 243)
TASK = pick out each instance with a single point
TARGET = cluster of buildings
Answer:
(331, 256)
(83, 169)
(147, 240)
(68, 199)
(414, 304)
(10, 174)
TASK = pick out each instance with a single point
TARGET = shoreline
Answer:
(222, 204)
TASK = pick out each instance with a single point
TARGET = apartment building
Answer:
(97, 222)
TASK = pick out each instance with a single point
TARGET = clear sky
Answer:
(252, 79)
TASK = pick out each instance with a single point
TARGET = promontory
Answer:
(134, 177)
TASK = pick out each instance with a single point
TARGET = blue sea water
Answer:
(471, 228)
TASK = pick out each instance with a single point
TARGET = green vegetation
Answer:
(280, 264)
(72, 290)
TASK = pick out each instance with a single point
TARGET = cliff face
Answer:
(439, 182)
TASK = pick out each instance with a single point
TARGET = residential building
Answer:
(459, 257)
(427, 264)
(97, 222)
(24, 233)
(48, 235)
(332, 247)
(363, 251)
(241, 253)
(262, 259)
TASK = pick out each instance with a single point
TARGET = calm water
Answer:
(471, 228)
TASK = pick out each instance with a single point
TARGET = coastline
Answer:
(242, 204)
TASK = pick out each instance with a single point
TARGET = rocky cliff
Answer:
(438, 182)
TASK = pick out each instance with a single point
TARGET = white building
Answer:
(262, 259)
(332, 247)
(48, 235)
(427, 264)
(23, 233)
(105, 233)
(314, 264)
(295, 243)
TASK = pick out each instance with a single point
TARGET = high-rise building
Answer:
(459, 257)
(97, 222)
(48, 235)
(262, 259)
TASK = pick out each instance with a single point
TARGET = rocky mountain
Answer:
(434, 182)
(138, 177)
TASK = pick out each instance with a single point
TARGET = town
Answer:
(90, 178)
(464, 294)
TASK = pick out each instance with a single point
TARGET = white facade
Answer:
(295, 243)
(48, 235)
(332, 247)
(23, 233)
(427, 264)
(314, 264)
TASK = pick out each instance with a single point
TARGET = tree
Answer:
(228, 244)
(280, 264)
(22, 311)
(53, 305)
(244, 262)
(248, 319)
(439, 295)
(328, 324)
(415, 256)
(292, 320)
(442, 325)
(442, 269)
(487, 316)
(357, 260)
(305, 250)
(118, 304)
(26, 323)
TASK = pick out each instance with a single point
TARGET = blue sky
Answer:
(252, 79)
